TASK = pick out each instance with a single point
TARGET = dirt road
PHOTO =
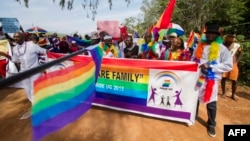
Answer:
(100, 124)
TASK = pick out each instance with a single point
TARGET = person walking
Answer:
(236, 53)
(26, 54)
(213, 59)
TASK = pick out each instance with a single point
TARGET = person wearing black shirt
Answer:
(131, 50)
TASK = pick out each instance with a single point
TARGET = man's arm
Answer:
(5, 55)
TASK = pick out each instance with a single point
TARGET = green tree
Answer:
(152, 10)
(135, 23)
(192, 14)
(244, 26)
(244, 64)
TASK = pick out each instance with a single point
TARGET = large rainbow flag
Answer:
(165, 17)
(164, 20)
(63, 95)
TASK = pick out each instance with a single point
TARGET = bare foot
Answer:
(223, 95)
(234, 97)
(26, 115)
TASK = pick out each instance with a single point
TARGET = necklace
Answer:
(18, 49)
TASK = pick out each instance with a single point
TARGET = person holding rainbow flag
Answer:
(150, 49)
(213, 59)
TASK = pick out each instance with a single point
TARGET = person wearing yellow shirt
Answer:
(109, 49)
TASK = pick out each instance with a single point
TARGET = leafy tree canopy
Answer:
(192, 14)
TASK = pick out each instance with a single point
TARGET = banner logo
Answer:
(168, 80)
(165, 90)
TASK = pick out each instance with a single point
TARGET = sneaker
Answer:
(211, 131)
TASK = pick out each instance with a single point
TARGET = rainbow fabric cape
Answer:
(62, 96)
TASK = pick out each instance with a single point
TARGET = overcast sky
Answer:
(50, 16)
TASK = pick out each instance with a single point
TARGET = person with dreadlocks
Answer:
(213, 59)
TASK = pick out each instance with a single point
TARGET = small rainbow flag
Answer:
(203, 35)
(193, 40)
(200, 81)
(62, 96)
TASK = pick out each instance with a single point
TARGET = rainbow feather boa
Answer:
(212, 60)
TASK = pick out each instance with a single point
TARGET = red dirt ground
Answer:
(101, 124)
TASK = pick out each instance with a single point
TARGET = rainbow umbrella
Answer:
(173, 27)
(36, 30)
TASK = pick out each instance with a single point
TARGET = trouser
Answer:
(211, 113)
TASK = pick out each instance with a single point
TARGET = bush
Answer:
(240, 38)
(244, 64)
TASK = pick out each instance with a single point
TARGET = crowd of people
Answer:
(171, 48)
(214, 55)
